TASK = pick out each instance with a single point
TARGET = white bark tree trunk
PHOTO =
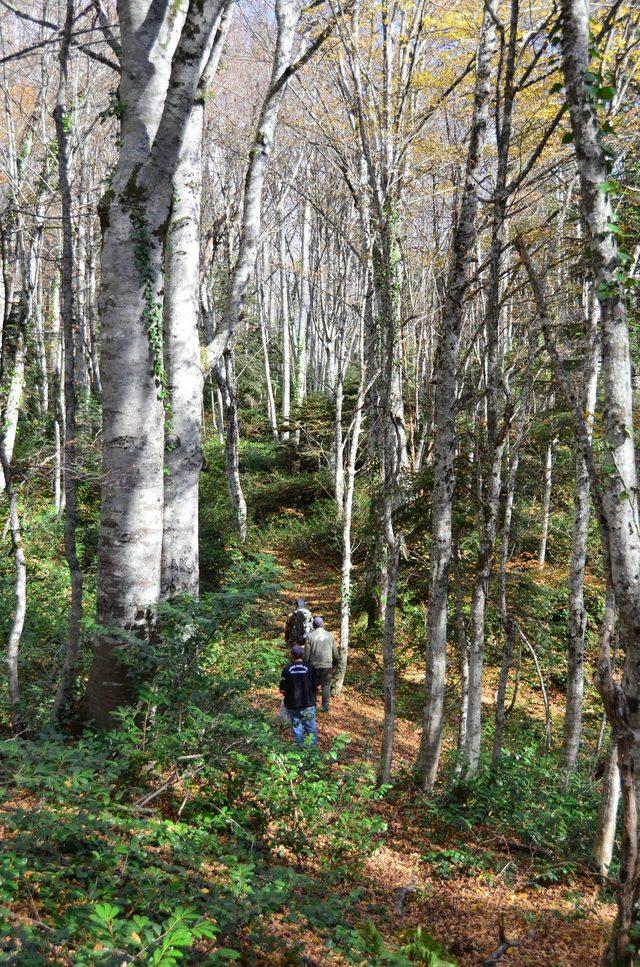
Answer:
(605, 836)
(288, 14)
(157, 92)
(64, 693)
(183, 454)
(444, 416)
(576, 611)
(619, 518)
(227, 382)
(286, 342)
(546, 505)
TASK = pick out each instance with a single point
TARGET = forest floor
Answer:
(550, 925)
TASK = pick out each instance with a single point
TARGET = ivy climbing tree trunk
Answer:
(69, 674)
(158, 84)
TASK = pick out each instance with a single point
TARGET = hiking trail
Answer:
(556, 924)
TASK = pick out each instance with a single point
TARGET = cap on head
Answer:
(297, 651)
(318, 622)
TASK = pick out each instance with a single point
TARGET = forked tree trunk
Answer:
(288, 14)
(157, 92)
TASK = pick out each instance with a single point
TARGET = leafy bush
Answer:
(179, 836)
(524, 798)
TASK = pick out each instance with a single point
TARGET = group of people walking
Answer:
(314, 658)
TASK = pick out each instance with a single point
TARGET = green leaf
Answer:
(606, 93)
(556, 88)
(567, 137)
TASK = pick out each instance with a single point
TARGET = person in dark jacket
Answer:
(320, 650)
(298, 684)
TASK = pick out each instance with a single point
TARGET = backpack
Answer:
(301, 626)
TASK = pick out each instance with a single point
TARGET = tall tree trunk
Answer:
(180, 570)
(288, 13)
(302, 317)
(347, 514)
(394, 460)
(157, 89)
(182, 451)
(445, 370)
(64, 694)
(496, 434)
(619, 519)
(576, 611)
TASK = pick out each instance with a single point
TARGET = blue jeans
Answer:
(303, 722)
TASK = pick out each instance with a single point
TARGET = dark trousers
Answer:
(324, 677)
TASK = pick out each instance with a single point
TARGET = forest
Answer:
(335, 301)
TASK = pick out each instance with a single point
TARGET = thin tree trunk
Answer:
(496, 435)
(302, 318)
(69, 674)
(347, 515)
(286, 342)
(227, 382)
(463, 657)
(546, 505)
(445, 371)
(508, 627)
(20, 594)
(576, 611)
(264, 334)
(605, 835)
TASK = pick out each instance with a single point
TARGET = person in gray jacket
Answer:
(321, 652)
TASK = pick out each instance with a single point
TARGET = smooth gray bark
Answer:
(605, 836)
(546, 504)
(227, 381)
(576, 611)
(185, 380)
(64, 693)
(288, 13)
(496, 433)
(445, 371)
(157, 92)
(619, 519)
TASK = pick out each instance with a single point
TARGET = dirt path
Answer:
(554, 925)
